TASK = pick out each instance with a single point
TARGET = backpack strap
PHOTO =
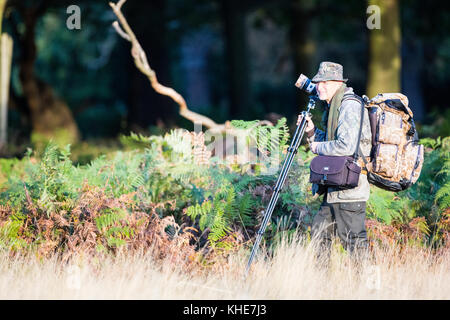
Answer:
(352, 96)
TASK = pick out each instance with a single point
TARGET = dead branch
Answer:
(141, 62)
(140, 59)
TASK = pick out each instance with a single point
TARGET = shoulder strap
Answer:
(355, 97)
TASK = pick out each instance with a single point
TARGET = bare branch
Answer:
(122, 33)
(120, 4)
(141, 62)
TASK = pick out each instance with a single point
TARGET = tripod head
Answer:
(312, 102)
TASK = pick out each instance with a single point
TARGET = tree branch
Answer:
(122, 33)
(140, 59)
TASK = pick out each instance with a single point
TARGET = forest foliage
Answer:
(168, 192)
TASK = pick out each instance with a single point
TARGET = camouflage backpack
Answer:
(396, 156)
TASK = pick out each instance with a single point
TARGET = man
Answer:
(341, 210)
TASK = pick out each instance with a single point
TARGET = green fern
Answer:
(219, 225)
(135, 141)
(185, 172)
(267, 138)
(245, 205)
(221, 211)
(115, 242)
(199, 210)
(10, 233)
(443, 196)
(380, 206)
(180, 144)
(109, 218)
(47, 201)
(112, 224)
(137, 181)
(430, 142)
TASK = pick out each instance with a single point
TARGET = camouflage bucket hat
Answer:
(329, 71)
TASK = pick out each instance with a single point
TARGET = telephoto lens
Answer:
(305, 84)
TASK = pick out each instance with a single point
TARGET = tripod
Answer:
(292, 150)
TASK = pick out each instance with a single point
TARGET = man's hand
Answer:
(309, 122)
(313, 147)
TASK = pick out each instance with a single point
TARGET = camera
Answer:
(305, 84)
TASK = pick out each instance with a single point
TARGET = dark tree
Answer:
(48, 114)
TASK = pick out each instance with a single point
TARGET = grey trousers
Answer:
(347, 219)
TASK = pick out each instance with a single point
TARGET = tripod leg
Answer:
(279, 184)
(299, 132)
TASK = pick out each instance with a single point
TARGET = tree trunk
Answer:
(51, 117)
(384, 50)
(234, 14)
(412, 70)
(5, 53)
(302, 45)
(6, 48)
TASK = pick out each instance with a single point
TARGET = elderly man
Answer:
(341, 210)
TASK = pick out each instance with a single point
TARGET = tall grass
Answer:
(291, 272)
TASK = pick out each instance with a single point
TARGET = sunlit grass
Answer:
(292, 272)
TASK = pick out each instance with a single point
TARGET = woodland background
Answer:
(115, 176)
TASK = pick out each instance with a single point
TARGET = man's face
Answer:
(327, 89)
(322, 90)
